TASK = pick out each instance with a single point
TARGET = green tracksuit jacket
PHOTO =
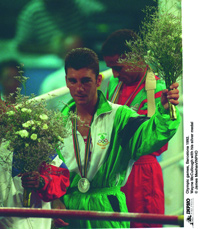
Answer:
(118, 134)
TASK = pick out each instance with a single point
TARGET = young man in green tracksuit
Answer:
(139, 89)
(104, 138)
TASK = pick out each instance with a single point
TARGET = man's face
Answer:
(83, 85)
(122, 71)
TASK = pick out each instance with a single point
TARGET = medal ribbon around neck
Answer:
(77, 149)
(116, 93)
(115, 96)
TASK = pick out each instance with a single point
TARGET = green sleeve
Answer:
(140, 136)
(154, 133)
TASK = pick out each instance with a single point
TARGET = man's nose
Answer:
(80, 87)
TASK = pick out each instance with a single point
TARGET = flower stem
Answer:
(172, 111)
(27, 197)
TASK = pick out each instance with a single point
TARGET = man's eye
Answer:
(72, 81)
(87, 80)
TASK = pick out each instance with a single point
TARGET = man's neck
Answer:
(86, 110)
(85, 113)
(135, 79)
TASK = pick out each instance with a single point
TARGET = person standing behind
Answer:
(103, 141)
(141, 90)
(8, 82)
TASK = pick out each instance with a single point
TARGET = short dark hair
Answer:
(82, 58)
(116, 42)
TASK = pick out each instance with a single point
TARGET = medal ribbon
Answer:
(77, 149)
(119, 86)
(116, 93)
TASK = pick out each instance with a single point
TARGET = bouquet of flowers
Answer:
(159, 45)
(30, 132)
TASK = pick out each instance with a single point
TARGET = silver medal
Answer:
(83, 185)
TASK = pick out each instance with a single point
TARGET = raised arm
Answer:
(142, 135)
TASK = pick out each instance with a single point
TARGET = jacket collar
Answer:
(103, 105)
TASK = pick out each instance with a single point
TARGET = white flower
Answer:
(45, 127)
(26, 145)
(38, 123)
(26, 110)
(43, 117)
(60, 139)
(23, 133)
(27, 124)
(33, 136)
(10, 113)
(148, 52)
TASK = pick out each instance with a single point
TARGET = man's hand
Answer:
(57, 204)
(172, 96)
(32, 180)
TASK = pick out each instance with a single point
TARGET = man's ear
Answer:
(99, 80)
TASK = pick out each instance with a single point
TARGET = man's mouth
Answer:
(80, 96)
